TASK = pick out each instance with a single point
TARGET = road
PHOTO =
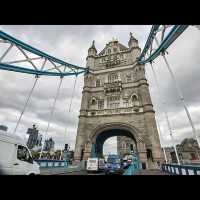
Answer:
(82, 172)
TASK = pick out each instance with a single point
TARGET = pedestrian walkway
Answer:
(151, 172)
(59, 170)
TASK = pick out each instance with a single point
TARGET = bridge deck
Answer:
(151, 172)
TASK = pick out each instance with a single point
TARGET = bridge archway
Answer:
(106, 131)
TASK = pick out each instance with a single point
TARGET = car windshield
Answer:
(113, 160)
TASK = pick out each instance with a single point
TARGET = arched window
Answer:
(93, 101)
(134, 97)
(98, 83)
(135, 100)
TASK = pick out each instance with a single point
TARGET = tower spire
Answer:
(133, 42)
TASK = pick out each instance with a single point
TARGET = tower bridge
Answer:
(115, 99)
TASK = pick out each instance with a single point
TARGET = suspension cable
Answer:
(72, 96)
(165, 113)
(26, 103)
(51, 114)
(180, 94)
(161, 139)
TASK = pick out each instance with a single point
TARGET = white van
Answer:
(15, 157)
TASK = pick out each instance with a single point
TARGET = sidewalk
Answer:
(151, 172)
(58, 170)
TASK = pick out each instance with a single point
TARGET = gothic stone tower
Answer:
(125, 145)
(116, 102)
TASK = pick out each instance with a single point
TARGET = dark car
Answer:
(114, 165)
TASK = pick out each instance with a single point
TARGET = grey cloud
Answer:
(71, 43)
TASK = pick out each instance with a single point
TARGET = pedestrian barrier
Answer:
(135, 165)
(51, 163)
(181, 169)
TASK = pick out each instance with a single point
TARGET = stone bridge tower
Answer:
(116, 102)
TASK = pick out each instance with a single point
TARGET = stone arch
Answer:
(116, 125)
(104, 131)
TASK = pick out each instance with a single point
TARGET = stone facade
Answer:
(125, 146)
(188, 150)
(116, 102)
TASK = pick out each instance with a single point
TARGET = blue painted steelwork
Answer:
(76, 69)
(51, 163)
(149, 41)
(181, 169)
(36, 72)
(135, 166)
(167, 41)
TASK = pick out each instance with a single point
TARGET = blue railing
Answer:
(135, 166)
(51, 163)
(181, 169)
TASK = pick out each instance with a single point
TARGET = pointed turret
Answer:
(92, 50)
(133, 42)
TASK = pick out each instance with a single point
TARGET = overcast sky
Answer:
(71, 43)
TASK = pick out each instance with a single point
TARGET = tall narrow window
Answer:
(98, 83)
(125, 103)
(113, 77)
(113, 102)
(100, 104)
(128, 78)
(93, 101)
(135, 100)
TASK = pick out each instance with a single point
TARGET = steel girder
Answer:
(58, 67)
(165, 42)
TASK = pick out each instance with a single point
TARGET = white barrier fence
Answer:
(52, 163)
(181, 169)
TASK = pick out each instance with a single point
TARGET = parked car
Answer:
(15, 157)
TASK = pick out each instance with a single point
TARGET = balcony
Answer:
(113, 87)
(128, 110)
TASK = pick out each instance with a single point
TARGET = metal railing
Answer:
(135, 166)
(51, 163)
(176, 169)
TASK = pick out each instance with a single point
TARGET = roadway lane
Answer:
(82, 172)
